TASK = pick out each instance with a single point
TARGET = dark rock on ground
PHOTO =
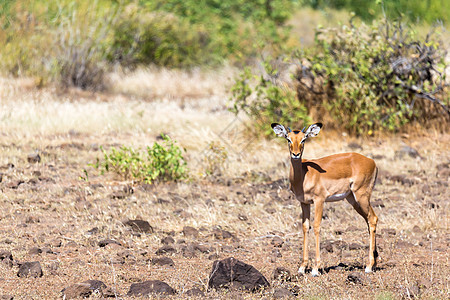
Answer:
(388, 231)
(277, 241)
(32, 269)
(166, 250)
(105, 242)
(163, 261)
(35, 251)
(139, 226)
(281, 273)
(280, 293)
(406, 150)
(328, 245)
(150, 287)
(221, 234)
(6, 297)
(168, 240)
(354, 146)
(34, 158)
(195, 292)
(190, 231)
(5, 255)
(355, 246)
(231, 272)
(86, 289)
(354, 278)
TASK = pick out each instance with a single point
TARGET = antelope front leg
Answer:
(306, 211)
(318, 212)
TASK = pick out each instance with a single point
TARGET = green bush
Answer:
(159, 38)
(415, 10)
(266, 102)
(365, 78)
(158, 163)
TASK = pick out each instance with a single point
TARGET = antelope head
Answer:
(296, 139)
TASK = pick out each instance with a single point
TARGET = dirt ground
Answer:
(76, 227)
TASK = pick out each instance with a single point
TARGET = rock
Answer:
(355, 246)
(281, 273)
(86, 289)
(92, 231)
(168, 240)
(221, 234)
(163, 261)
(5, 255)
(6, 297)
(402, 179)
(388, 231)
(406, 150)
(34, 158)
(32, 269)
(231, 272)
(277, 242)
(166, 250)
(201, 248)
(78, 290)
(14, 184)
(105, 242)
(280, 293)
(195, 292)
(328, 245)
(354, 278)
(150, 287)
(35, 251)
(139, 226)
(190, 231)
(242, 217)
(354, 146)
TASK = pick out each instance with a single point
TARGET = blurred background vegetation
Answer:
(363, 66)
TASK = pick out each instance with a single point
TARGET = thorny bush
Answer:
(366, 78)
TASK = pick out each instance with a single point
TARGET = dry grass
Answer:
(67, 129)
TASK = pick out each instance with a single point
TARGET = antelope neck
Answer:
(297, 175)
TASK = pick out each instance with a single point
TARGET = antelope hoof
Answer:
(315, 272)
(368, 269)
(302, 270)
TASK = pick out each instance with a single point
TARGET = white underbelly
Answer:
(337, 197)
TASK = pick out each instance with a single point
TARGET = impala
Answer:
(332, 178)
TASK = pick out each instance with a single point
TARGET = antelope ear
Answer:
(279, 130)
(313, 130)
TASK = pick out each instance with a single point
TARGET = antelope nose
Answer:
(295, 156)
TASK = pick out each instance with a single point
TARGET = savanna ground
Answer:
(49, 206)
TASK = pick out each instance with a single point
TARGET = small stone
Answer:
(195, 292)
(139, 226)
(166, 250)
(34, 158)
(354, 146)
(355, 246)
(190, 231)
(35, 251)
(105, 242)
(354, 278)
(280, 293)
(150, 287)
(163, 261)
(277, 242)
(168, 240)
(281, 273)
(377, 203)
(32, 269)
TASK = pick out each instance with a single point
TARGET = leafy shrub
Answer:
(365, 78)
(159, 38)
(60, 41)
(429, 11)
(266, 102)
(158, 163)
